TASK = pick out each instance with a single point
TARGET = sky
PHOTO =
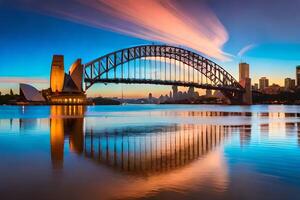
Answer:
(264, 34)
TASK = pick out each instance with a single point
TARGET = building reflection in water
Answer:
(28, 124)
(245, 135)
(65, 121)
(298, 133)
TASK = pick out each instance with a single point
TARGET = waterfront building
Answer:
(178, 95)
(150, 98)
(163, 99)
(218, 94)
(191, 92)
(208, 93)
(273, 89)
(66, 88)
(255, 86)
(263, 83)
(175, 92)
(293, 83)
(289, 83)
(298, 75)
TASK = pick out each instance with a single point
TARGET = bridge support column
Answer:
(247, 95)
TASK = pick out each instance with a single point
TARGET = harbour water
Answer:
(150, 152)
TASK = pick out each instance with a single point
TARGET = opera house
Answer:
(65, 88)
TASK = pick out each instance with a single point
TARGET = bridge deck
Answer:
(162, 82)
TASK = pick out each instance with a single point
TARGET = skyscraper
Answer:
(263, 83)
(243, 71)
(293, 84)
(175, 91)
(191, 91)
(298, 75)
(289, 83)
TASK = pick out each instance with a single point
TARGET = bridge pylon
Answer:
(247, 95)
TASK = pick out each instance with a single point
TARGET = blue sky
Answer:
(29, 38)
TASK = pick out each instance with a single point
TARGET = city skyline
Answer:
(31, 39)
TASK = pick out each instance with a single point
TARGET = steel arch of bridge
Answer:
(98, 70)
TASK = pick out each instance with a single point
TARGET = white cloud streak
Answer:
(245, 49)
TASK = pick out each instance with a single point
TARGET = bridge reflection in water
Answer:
(152, 149)
(140, 150)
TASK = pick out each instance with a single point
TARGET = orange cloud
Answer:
(166, 21)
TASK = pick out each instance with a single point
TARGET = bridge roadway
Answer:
(163, 82)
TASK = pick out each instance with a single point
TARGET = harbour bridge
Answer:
(162, 65)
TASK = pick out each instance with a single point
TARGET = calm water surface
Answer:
(150, 152)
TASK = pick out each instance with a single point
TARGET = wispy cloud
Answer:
(167, 21)
(28, 80)
(245, 49)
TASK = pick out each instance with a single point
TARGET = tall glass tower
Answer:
(298, 75)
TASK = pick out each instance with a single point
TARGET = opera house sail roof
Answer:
(30, 93)
(57, 74)
(69, 85)
(75, 73)
(60, 82)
